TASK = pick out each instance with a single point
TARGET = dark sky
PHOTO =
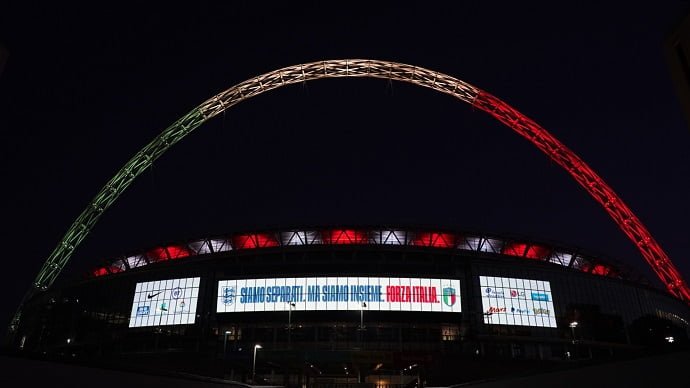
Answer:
(86, 88)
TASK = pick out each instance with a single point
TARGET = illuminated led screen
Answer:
(525, 302)
(165, 302)
(339, 293)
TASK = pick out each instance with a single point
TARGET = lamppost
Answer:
(290, 306)
(225, 342)
(573, 325)
(361, 316)
(257, 346)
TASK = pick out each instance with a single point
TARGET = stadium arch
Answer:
(627, 221)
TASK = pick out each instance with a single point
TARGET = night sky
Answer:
(85, 88)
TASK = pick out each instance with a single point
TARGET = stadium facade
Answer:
(382, 306)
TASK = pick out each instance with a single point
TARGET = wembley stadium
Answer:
(385, 306)
(371, 306)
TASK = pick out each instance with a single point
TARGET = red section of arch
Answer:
(595, 186)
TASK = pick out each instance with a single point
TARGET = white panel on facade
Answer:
(339, 293)
(161, 302)
(510, 301)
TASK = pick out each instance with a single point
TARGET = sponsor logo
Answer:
(181, 306)
(519, 310)
(228, 294)
(177, 293)
(163, 307)
(517, 294)
(143, 310)
(449, 297)
(540, 296)
(493, 310)
(542, 311)
(492, 293)
(149, 296)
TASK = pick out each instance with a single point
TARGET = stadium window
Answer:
(449, 333)
(233, 333)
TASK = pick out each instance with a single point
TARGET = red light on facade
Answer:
(537, 252)
(434, 239)
(515, 249)
(527, 251)
(600, 270)
(115, 269)
(251, 241)
(344, 236)
(157, 254)
(177, 251)
(100, 272)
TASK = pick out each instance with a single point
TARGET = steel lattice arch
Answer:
(630, 224)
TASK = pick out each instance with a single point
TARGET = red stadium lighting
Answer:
(527, 251)
(177, 251)
(157, 254)
(251, 241)
(435, 239)
(100, 272)
(600, 270)
(344, 236)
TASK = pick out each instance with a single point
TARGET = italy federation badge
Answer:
(449, 296)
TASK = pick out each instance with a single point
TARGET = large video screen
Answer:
(339, 293)
(165, 302)
(509, 301)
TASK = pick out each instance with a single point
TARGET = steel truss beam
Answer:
(583, 174)
(339, 236)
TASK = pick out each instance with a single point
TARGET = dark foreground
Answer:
(661, 370)
(669, 370)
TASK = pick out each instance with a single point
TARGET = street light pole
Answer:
(257, 346)
(361, 316)
(573, 325)
(290, 306)
(225, 342)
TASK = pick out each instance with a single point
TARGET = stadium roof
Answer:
(343, 236)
